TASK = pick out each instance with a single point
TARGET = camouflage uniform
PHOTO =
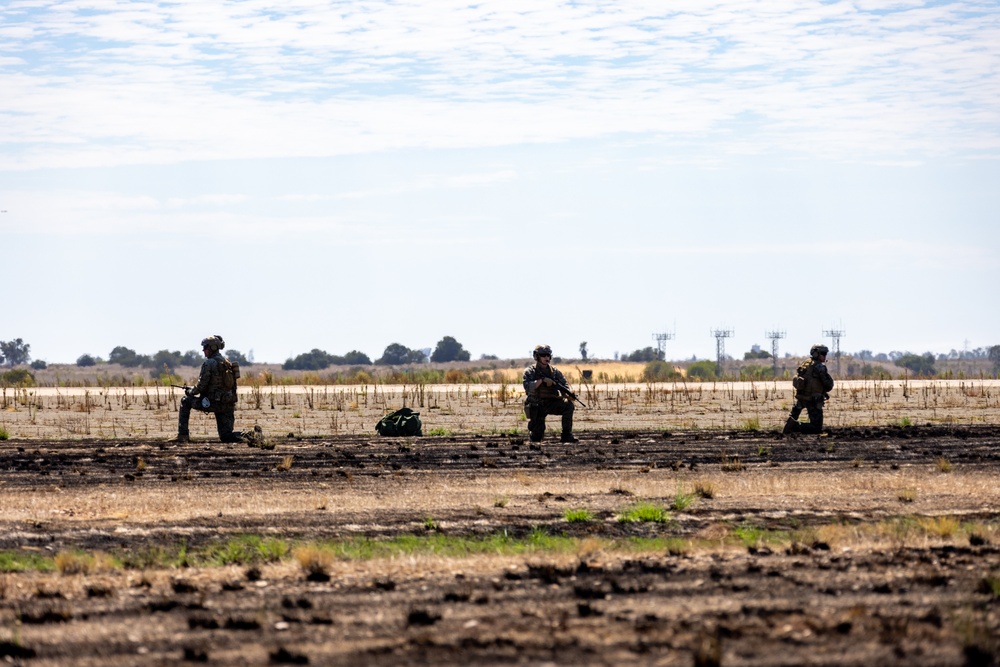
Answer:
(546, 400)
(811, 396)
(209, 395)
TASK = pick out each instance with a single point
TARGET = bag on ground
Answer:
(401, 422)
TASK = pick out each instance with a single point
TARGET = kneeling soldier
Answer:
(543, 398)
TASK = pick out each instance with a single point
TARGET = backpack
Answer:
(802, 373)
(401, 422)
(230, 374)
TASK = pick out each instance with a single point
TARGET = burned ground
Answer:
(889, 549)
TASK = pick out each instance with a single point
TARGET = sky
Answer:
(303, 174)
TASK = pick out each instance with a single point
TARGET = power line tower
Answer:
(775, 336)
(661, 344)
(835, 336)
(720, 347)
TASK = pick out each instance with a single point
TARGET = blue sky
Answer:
(346, 175)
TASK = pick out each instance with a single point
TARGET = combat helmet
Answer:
(816, 350)
(541, 351)
(215, 342)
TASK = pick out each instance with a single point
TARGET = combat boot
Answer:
(791, 426)
(568, 438)
(180, 438)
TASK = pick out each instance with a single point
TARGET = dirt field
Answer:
(878, 542)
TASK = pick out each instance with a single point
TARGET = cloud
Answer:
(149, 82)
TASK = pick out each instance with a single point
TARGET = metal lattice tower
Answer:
(720, 347)
(661, 344)
(835, 336)
(775, 336)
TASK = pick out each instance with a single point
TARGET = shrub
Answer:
(704, 370)
(918, 364)
(85, 360)
(578, 516)
(39, 365)
(644, 512)
(659, 371)
(449, 349)
(19, 377)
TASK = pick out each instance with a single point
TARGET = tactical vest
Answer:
(545, 391)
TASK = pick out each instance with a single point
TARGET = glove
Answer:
(189, 391)
(548, 382)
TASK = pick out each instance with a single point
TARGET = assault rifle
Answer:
(181, 386)
(566, 390)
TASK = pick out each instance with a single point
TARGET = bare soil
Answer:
(843, 596)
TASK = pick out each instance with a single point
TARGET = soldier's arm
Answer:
(528, 381)
(204, 378)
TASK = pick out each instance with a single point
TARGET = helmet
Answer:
(541, 351)
(215, 342)
(816, 350)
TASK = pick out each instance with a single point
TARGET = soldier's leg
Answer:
(225, 420)
(792, 423)
(184, 416)
(566, 409)
(536, 421)
(815, 411)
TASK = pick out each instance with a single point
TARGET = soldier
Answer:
(543, 398)
(811, 383)
(216, 393)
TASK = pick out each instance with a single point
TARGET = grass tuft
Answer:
(578, 516)
(644, 512)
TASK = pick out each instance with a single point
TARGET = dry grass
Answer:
(151, 412)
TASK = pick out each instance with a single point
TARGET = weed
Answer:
(730, 463)
(704, 490)
(676, 546)
(81, 562)
(763, 451)
(857, 461)
(501, 501)
(943, 465)
(906, 495)
(644, 512)
(431, 524)
(682, 500)
(14, 561)
(439, 430)
(990, 584)
(904, 422)
(140, 464)
(752, 424)
(578, 516)
(314, 560)
(939, 526)
(4, 435)
(285, 464)
(750, 535)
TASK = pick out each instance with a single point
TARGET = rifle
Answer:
(566, 390)
(181, 386)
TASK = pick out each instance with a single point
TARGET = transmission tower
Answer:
(720, 347)
(835, 336)
(661, 344)
(775, 336)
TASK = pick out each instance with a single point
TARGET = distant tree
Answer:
(85, 360)
(583, 350)
(645, 354)
(315, 360)
(489, 357)
(14, 352)
(126, 357)
(756, 354)
(356, 358)
(918, 364)
(704, 370)
(192, 358)
(237, 357)
(39, 365)
(994, 356)
(165, 362)
(449, 349)
(396, 354)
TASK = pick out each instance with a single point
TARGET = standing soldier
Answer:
(215, 393)
(541, 382)
(811, 383)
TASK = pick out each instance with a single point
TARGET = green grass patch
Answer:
(3, 433)
(439, 430)
(19, 561)
(682, 501)
(578, 516)
(244, 550)
(644, 512)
